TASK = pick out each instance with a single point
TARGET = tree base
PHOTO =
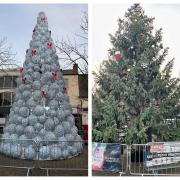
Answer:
(41, 152)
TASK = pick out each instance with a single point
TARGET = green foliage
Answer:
(133, 91)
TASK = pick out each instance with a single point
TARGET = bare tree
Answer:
(7, 57)
(73, 52)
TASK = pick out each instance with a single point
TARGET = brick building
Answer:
(76, 84)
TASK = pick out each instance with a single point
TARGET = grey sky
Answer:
(18, 21)
(104, 20)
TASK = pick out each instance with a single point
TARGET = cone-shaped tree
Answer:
(132, 91)
(41, 110)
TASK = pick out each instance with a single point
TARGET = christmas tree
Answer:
(41, 110)
(133, 96)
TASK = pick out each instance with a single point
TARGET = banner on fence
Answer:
(106, 157)
(163, 153)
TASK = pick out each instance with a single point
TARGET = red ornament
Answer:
(65, 90)
(49, 45)
(34, 53)
(44, 94)
(24, 80)
(118, 55)
(54, 76)
(21, 71)
(43, 20)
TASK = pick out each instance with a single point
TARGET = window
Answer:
(1, 130)
(66, 83)
(13, 97)
(1, 82)
(8, 82)
(14, 83)
(7, 99)
(1, 98)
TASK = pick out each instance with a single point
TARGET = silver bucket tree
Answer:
(41, 110)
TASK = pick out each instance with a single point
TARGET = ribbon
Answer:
(49, 45)
(21, 71)
(34, 52)
(54, 76)
(24, 80)
(43, 19)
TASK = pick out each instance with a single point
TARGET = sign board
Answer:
(106, 157)
(162, 153)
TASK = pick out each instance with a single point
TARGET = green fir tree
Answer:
(133, 96)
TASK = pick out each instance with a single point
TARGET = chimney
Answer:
(75, 68)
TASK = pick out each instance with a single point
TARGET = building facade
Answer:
(76, 85)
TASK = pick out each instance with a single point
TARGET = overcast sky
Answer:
(104, 20)
(19, 20)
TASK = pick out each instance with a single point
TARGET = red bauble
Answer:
(118, 55)
(34, 52)
(49, 45)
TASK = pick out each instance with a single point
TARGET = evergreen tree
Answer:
(131, 90)
(41, 110)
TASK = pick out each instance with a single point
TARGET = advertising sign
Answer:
(163, 153)
(106, 157)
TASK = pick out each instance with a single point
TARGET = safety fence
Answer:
(45, 155)
(152, 159)
(10, 150)
(155, 159)
(76, 162)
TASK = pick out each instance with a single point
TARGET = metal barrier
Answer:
(13, 154)
(144, 161)
(110, 152)
(124, 159)
(78, 162)
(152, 159)
(136, 159)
